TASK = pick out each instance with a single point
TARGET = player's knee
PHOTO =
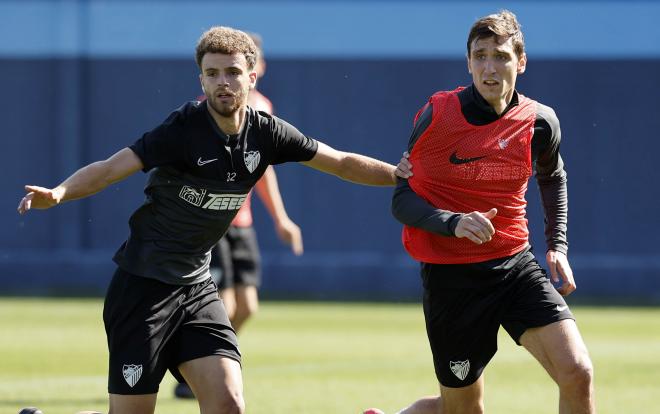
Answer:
(233, 404)
(224, 403)
(577, 376)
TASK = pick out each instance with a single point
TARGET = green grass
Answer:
(321, 358)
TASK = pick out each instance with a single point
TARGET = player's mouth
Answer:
(490, 82)
(224, 95)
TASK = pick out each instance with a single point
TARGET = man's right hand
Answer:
(404, 167)
(476, 226)
(39, 198)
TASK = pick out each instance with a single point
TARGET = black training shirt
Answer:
(199, 178)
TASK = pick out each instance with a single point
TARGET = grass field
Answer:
(321, 358)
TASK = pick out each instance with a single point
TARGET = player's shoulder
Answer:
(190, 110)
(259, 118)
(263, 119)
(443, 94)
(194, 109)
(190, 107)
(547, 113)
(262, 125)
(271, 128)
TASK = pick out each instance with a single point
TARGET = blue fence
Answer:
(64, 109)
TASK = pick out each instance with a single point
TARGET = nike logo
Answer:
(455, 160)
(561, 308)
(200, 162)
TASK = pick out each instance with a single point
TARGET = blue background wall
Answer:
(81, 80)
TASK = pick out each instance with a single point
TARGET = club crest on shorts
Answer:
(132, 374)
(460, 368)
(251, 159)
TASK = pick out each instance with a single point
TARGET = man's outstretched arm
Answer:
(352, 167)
(86, 181)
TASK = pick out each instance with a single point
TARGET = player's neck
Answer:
(231, 124)
(500, 104)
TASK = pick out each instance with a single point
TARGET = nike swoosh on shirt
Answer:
(561, 308)
(200, 162)
(455, 160)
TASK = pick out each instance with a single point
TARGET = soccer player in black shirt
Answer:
(162, 310)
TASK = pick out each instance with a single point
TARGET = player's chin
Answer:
(226, 110)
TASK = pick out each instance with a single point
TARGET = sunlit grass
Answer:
(321, 358)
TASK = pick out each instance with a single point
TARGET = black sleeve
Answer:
(289, 143)
(164, 144)
(551, 177)
(411, 209)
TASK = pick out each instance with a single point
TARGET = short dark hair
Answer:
(228, 41)
(502, 25)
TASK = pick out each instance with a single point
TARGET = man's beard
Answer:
(227, 110)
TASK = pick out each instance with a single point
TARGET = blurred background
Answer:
(83, 79)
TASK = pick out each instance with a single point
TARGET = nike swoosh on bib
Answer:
(455, 160)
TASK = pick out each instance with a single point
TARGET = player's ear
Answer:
(253, 79)
(201, 83)
(522, 63)
(467, 57)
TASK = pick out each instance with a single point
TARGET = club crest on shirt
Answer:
(503, 143)
(251, 159)
(460, 368)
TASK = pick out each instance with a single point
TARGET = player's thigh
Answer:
(228, 296)
(559, 348)
(540, 320)
(462, 326)
(141, 317)
(133, 404)
(206, 329)
(216, 381)
(247, 299)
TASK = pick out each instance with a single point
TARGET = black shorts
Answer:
(152, 327)
(236, 260)
(462, 322)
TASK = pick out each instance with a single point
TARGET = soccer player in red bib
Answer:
(473, 150)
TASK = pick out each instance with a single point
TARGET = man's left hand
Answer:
(290, 233)
(560, 269)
